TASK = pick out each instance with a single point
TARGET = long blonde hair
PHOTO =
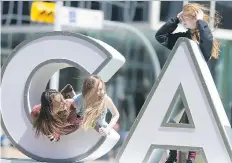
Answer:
(191, 9)
(94, 103)
(53, 114)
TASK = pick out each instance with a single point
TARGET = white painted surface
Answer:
(13, 82)
(206, 133)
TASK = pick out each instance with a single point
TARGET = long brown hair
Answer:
(191, 9)
(53, 114)
(94, 104)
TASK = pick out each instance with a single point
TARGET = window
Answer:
(141, 11)
(225, 10)
(170, 9)
(116, 13)
(224, 76)
(3, 57)
(72, 76)
(73, 3)
(4, 42)
(134, 12)
(95, 5)
(204, 3)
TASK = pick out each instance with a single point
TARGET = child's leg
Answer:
(173, 153)
(192, 156)
(172, 156)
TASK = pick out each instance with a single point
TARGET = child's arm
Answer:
(35, 111)
(164, 35)
(114, 111)
(206, 39)
(77, 102)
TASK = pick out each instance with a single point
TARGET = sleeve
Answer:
(164, 35)
(206, 39)
(110, 105)
(35, 111)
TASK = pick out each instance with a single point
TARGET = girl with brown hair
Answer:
(195, 18)
(55, 115)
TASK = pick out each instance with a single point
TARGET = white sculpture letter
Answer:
(209, 132)
(25, 76)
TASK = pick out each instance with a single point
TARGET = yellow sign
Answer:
(43, 12)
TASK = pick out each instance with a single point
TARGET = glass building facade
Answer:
(137, 76)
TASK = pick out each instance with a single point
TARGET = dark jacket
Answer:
(165, 37)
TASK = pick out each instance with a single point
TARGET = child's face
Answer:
(188, 21)
(57, 100)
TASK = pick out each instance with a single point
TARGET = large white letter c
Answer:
(24, 77)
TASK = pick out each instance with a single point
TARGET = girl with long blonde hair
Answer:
(195, 18)
(93, 105)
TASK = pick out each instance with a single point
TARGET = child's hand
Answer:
(104, 131)
(200, 15)
(54, 138)
(180, 16)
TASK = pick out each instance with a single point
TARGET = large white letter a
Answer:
(208, 131)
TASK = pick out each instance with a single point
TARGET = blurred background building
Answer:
(132, 83)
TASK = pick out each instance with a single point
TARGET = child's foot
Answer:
(172, 157)
(190, 161)
(191, 157)
(171, 160)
